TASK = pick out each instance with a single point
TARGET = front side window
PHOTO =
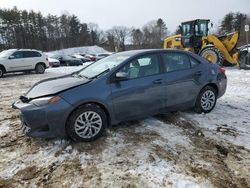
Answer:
(176, 62)
(143, 66)
(18, 55)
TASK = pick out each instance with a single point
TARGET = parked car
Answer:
(101, 56)
(18, 60)
(90, 56)
(53, 62)
(244, 56)
(83, 59)
(121, 87)
(66, 60)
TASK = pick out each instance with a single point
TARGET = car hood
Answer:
(53, 86)
(2, 58)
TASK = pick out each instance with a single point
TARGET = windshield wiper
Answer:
(96, 76)
(79, 76)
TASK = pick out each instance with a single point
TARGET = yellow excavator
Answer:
(216, 49)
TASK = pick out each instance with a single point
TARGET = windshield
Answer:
(7, 53)
(103, 65)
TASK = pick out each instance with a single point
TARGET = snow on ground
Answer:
(182, 149)
(82, 50)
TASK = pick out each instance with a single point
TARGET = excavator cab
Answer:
(192, 33)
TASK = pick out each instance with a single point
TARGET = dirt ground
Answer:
(181, 149)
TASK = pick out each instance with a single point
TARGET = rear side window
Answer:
(176, 61)
(27, 54)
(194, 62)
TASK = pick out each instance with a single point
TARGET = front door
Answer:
(16, 62)
(143, 92)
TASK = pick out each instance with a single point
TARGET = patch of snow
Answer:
(77, 50)
(5, 128)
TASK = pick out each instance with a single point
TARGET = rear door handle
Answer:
(159, 81)
(198, 73)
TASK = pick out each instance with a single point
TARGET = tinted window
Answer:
(142, 66)
(176, 61)
(27, 54)
(194, 62)
(18, 55)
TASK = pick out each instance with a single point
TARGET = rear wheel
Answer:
(213, 55)
(206, 100)
(87, 123)
(1, 72)
(40, 68)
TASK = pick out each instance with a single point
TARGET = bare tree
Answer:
(122, 34)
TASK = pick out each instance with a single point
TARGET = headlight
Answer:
(45, 100)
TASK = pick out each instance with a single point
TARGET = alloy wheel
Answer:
(88, 124)
(208, 100)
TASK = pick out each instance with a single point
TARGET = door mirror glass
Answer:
(12, 57)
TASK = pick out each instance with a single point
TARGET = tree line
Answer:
(29, 29)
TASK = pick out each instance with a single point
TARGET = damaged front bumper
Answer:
(46, 121)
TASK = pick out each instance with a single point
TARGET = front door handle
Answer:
(158, 81)
(198, 73)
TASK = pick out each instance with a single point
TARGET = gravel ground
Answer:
(181, 149)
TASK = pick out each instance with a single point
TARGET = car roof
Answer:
(137, 52)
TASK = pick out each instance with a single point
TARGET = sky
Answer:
(134, 13)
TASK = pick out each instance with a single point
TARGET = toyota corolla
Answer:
(121, 87)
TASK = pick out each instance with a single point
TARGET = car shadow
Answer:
(16, 74)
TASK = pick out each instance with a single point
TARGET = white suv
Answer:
(15, 60)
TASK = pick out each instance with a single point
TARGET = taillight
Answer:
(222, 70)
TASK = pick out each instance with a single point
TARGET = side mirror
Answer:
(12, 57)
(119, 76)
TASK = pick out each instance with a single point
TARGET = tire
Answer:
(213, 55)
(40, 68)
(206, 100)
(2, 71)
(85, 119)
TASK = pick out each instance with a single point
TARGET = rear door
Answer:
(143, 93)
(183, 78)
(31, 58)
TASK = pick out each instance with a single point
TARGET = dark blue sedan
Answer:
(121, 87)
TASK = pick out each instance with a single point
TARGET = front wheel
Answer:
(213, 55)
(1, 72)
(40, 68)
(87, 123)
(206, 100)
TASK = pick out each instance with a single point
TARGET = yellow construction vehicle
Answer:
(216, 49)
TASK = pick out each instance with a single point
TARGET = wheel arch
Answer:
(207, 46)
(101, 105)
(213, 85)
(42, 64)
(3, 67)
